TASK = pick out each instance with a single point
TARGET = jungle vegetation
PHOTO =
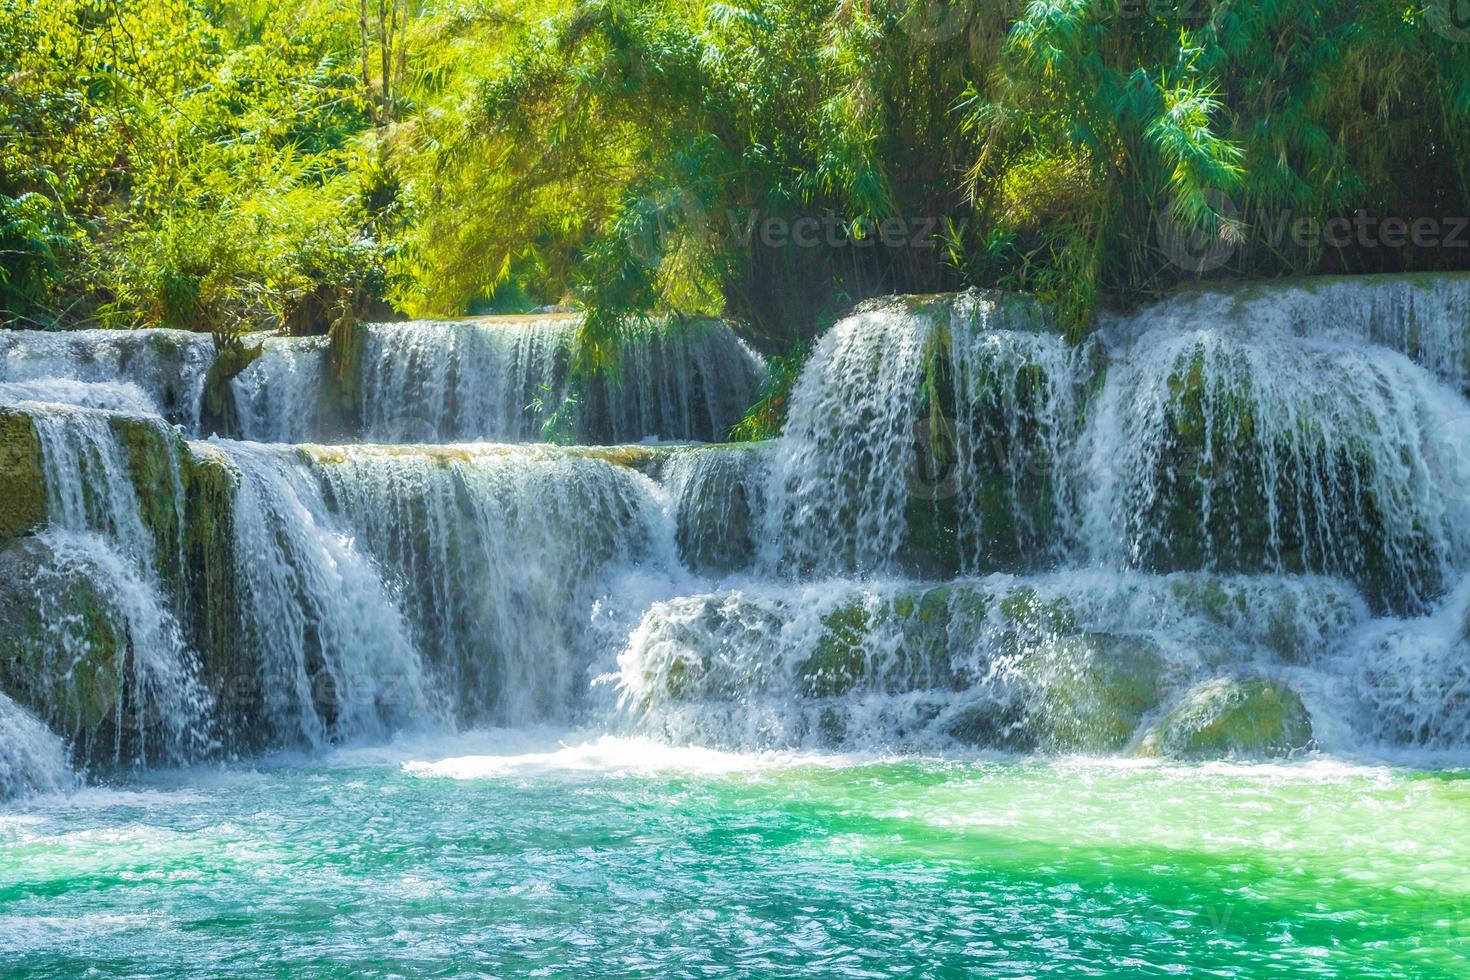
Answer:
(231, 165)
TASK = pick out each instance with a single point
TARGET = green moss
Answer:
(719, 505)
(1026, 610)
(1231, 717)
(153, 453)
(840, 659)
(934, 604)
(1215, 447)
(22, 476)
(212, 611)
(62, 645)
(219, 404)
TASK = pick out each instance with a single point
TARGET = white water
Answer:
(109, 369)
(497, 555)
(506, 380)
(98, 532)
(281, 395)
(331, 650)
(1309, 484)
(1003, 660)
(32, 759)
(1351, 454)
(500, 379)
(1426, 318)
(860, 453)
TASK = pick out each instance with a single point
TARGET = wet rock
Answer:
(1231, 717)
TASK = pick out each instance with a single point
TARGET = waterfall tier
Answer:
(493, 379)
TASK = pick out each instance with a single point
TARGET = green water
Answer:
(620, 858)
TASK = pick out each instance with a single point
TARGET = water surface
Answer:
(512, 854)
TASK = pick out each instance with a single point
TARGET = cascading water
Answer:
(1073, 661)
(1426, 318)
(496, 555)
(281, 396)
(719, 498)
(972, 533)
(332, 652)
(99, 532)
(507, 379)
(32, 759)
(912, 415)
(1278, 453)
(504, 379)
(789, 678)
(160, 371)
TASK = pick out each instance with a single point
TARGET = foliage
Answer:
(202, 165)
(233, 164)
(766, 418)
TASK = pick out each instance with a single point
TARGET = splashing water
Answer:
(282, 395)
(32, 759)
(99, 531)
(332, 653)
(496, 555)
(1072, 661)
(954, 412)
(1279, 454)
(1426, 318)
(1230, 526)
(166, 366)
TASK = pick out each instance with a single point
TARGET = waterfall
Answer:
(840, 486)
(95, 502)
(719, 495)
(1065, 661)
(1233, 505)
(111, 396)
(160, 371)
(333, 654)
(282, 396)
(497, 556)
(913, 421)
(507, 379)
(1277, 453)
(1425, 317)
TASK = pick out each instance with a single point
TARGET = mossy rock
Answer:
(1026, 609)
(22, 476)
(212, 614)
(154, 453)
(218, 413)
(1231, 718)
(1214, 445)
(1090, 692)
(840, 660)
(63, 646)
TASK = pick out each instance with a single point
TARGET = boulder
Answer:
(1230, 717)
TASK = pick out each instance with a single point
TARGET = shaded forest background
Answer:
(231, 165)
